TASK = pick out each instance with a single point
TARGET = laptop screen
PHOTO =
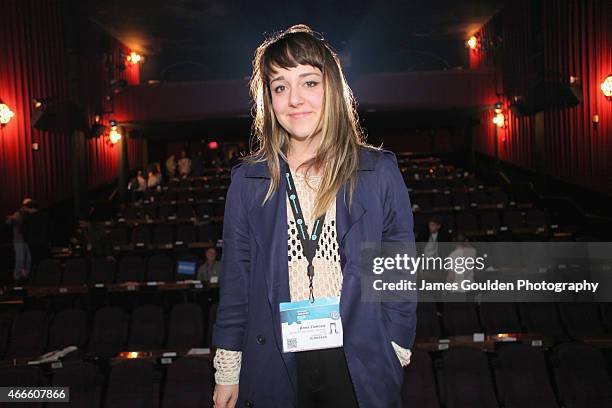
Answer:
(186, 269)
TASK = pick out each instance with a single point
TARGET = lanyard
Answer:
(310, 243)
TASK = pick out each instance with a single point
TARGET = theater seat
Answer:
(460, 319)
(522, 378)
(186, 327)
(29, 335)
(185, 234)
(582, 377)
(581, 319)
(109, 333)
(466, 222)
(499, 317)
(427, 320)
(131, 269)
(69, 328)
(163, 234)
(166, 212)
(465, 380)
(102, 270)
(85, 382)
(48, 273)
(189, 384)
(147, 328)
(6, 321)
(542, 318)
(209, 232)
(185, 212)
(490, 221)
(132, 384)
(119, 236)
(160, 268)
(76, 272)
(141, 235)
(419, 387)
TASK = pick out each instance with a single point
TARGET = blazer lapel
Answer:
(347, 217)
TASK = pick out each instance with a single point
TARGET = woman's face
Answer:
(297, 99)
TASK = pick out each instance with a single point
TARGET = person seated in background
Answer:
(134, 188)
(197, 167)
(210, 271)
(142, 182)
(154, 178)
(158, 171)
(463, 249)
(435, 235)
(23, 256)
(184, 164)
(171, 166)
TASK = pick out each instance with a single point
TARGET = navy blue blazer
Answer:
(255, 280)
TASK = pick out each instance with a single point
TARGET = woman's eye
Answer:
(311, 84)
(279, 88)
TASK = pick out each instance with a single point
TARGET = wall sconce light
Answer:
(134, 58)
(5, 114)
(606, 87)
(114, 135)
(472, 43)
(499, 119)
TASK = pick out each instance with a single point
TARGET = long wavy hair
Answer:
(337, 155)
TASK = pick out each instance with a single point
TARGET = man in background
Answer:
(23, 255)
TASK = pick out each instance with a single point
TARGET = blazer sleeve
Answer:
(398, 227)
(229, 328)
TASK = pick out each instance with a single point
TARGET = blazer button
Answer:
(249, 404)
(261, 340)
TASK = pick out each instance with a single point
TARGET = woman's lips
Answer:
(299, 115)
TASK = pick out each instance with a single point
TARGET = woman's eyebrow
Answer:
(305, 74)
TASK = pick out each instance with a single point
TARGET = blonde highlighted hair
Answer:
(341, 136)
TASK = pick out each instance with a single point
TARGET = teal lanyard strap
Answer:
(310, 243)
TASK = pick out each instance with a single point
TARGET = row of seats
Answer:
(169, 212)
(110, 331)
(186, 383)
(519, 376)
(165, 234)
(573, 375)
(209, 181)
(557, 322)
(191, 195)
(431, 201)
(130, 268)
(441, 183)
(487, 221)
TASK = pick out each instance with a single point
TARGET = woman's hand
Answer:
(225, 396)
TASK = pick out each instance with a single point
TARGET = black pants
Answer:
(324, 380)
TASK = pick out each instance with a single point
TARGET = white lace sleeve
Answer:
(402, 353)
(227, 366)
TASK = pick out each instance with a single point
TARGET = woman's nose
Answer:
(295, 97)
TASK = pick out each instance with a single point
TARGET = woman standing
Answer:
(297, 213)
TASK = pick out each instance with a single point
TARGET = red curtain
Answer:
(576, 39)
(32, 65)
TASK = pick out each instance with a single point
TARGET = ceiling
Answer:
(185, 40)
